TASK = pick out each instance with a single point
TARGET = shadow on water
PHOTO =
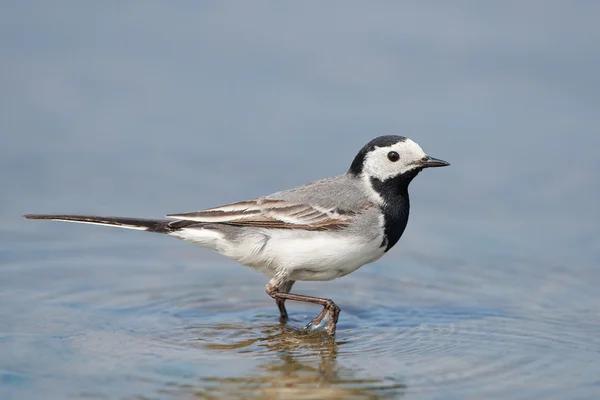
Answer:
(294, 364)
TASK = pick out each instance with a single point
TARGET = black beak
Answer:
(428, 162)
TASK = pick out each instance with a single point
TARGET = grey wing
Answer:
(327, 204)
(269, 213)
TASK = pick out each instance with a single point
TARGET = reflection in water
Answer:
(305, 367)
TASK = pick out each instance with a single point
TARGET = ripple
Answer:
(469, 350)
(418, 348)
(290, 363)
(177, 335)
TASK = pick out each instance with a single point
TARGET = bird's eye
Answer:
(393, 156)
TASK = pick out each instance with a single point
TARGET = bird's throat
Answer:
(395, 208)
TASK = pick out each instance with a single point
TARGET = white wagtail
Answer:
(316, 232)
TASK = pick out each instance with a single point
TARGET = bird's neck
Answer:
(395, 206)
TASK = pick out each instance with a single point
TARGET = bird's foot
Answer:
(316, 325)
(332, 312)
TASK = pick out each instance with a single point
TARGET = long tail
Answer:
(142, 224)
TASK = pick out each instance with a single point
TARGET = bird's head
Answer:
(391, 161)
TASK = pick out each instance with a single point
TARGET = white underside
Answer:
(294, 254)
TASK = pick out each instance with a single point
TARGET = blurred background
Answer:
(147, 108)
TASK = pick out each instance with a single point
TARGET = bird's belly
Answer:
(318, 256)
(297, 255)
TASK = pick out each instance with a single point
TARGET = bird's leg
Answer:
(283, 315)
(273, 290)
(284, 288)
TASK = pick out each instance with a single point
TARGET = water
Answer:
(143, 110)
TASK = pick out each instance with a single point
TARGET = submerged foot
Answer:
(328, 317)
(316, 325)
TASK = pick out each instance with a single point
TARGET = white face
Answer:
(378, 165)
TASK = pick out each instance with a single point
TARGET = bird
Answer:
(320, 231)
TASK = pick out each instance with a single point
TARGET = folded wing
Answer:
(270, 213)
